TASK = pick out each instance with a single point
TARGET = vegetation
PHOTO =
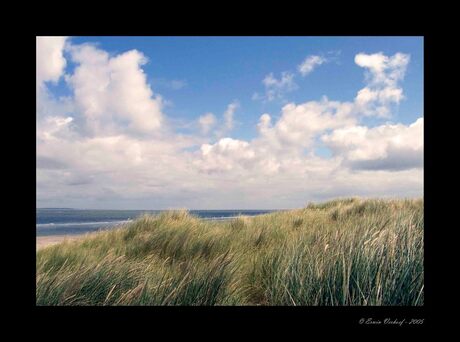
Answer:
(343, 252)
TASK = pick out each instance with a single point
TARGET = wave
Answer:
(54, 224)
(66, 224)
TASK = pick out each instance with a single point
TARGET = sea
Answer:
(64, 221)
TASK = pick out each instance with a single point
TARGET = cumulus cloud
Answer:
(112, 92)
(385, 147)
(287, 145)
(50, 68)
(107, 144)
(265, 123)
(383, 78)
(225, 155)
(98, 140)
(299, 124)
(54, 128)
(383, 69)
(50, 61)
(310, 63)
(280, 146)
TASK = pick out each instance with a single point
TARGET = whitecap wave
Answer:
(65, 224)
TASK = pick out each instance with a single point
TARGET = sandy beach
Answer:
(45, 241)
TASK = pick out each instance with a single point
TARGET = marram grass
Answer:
(342, 252)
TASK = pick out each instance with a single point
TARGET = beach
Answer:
(45, 241)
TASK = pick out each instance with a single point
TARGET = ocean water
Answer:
(75, 221)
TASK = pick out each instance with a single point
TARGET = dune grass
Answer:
(342, 252)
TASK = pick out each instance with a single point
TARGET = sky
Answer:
(227, 122)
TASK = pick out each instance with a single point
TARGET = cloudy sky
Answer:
(227, 122)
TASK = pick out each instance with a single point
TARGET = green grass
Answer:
(343, 252)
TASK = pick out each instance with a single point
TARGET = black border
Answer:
(267, 318)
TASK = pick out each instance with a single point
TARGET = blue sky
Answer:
(199, 75)
(218, 70)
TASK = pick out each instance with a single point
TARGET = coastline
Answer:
(46, 241)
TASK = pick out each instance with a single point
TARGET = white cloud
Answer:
(265, 123)
(50, 67)
(108, 145)
(383, 70)
(280, 147)
(287, 145)
(53, 127)
(225, 155)
(383, 77)
(310, 63)
(50, 60)
(103, 148)
(112, 92)
(206, 121)
(275, 89)
(300, 124)
(385, 147)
